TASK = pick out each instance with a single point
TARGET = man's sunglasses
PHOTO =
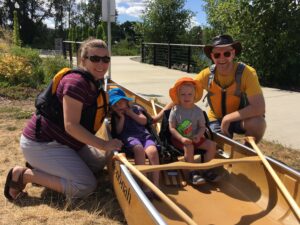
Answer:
(225, 54)
(96, 58)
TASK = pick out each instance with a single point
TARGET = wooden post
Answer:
(143, 51)
(64, 50)
(70, 55)
(169, 56)
(189, 59)
(154, 54)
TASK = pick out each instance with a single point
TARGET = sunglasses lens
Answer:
(217, 55)
(106, 59)
(95, 58)
(227, 54)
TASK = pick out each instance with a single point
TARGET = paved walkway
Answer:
(282, 107)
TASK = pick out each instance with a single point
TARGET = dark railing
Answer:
(67, 49)
(183, 57)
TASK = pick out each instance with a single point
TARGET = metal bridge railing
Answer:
(183, 57)
(67, 49)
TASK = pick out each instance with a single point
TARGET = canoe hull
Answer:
(246, 194)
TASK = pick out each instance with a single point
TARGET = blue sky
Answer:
(132, 9)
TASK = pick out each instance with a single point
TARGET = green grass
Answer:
(14, 112)
(18, 92)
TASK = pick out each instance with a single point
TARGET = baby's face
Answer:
(120, 106)
(186, 95)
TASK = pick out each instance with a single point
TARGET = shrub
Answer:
(32, 55)
(15, 69)
(52, 65)
(125, 47)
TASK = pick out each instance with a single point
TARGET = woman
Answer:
(65, 155)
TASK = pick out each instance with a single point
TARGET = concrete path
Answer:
(282, 107)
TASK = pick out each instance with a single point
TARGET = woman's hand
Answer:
(114, 144)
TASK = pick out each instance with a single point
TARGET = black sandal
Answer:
(17, 185)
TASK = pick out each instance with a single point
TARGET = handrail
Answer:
(173, 44)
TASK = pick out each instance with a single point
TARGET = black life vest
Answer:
(48, 105)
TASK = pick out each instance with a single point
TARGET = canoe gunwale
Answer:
(252, 152)
(152, 212)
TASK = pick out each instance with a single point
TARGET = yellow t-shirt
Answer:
(249, 83)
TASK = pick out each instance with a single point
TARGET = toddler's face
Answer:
(186, 94)
(120, 106)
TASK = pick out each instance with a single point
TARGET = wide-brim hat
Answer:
(173, 92)
(115, 95)
(223, 41)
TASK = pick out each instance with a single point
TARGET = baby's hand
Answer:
(196, 139)
(127, 111)
(186, 141)
(120, 113)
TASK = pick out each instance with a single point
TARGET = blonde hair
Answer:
(86, 45)
(186, 84)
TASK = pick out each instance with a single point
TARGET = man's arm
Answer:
(255, 108)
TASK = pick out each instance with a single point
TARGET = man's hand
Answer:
(225, 125)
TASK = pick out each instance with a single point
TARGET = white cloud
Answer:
(132, 7)
(194, 22)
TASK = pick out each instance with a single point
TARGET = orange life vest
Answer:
(223, 101)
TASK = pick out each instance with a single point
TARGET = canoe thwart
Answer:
(196, 166)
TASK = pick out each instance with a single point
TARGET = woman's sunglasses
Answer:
(225, 54)
(96, 58)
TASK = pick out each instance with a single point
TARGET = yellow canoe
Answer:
(248, 193)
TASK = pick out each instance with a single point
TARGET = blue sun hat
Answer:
(115, 95)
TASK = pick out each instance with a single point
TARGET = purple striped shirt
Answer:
(74, 86)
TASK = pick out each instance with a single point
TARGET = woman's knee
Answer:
(80, 188)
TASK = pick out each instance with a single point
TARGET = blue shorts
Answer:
(234, 127)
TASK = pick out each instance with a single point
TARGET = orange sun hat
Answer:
(173, 92)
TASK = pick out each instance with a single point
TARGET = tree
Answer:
(269, 34)
(16, 31)
(30, 15)
(193, 36)
(165, 20)
(100, 33)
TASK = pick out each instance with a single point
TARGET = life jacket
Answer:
(48, 105)
(223, 101)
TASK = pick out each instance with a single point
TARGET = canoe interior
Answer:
(246, 194)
